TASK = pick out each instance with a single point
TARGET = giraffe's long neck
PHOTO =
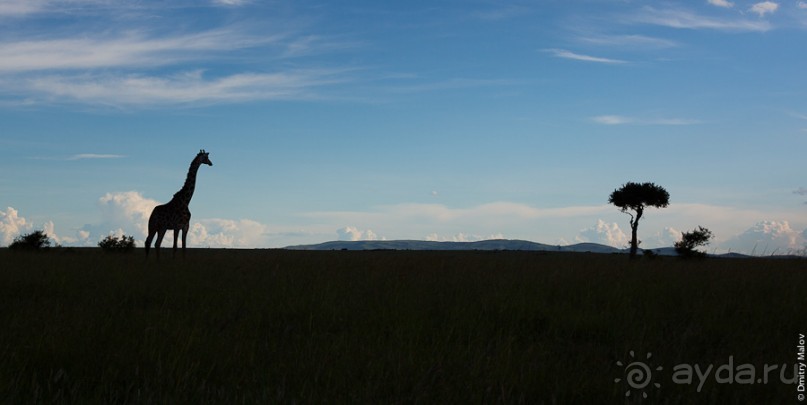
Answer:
(185, 194)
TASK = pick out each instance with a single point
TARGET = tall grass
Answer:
(81, 326)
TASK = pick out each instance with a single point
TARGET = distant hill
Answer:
(493, 244)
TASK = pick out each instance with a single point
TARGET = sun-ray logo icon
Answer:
(637, 375)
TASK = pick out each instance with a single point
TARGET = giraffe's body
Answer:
(175, 214)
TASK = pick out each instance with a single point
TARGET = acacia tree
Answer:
(636, 197)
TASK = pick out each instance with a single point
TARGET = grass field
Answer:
(234, 326)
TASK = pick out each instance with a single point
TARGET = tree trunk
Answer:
(634, 243)
(634, 226)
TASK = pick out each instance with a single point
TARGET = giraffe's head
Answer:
(202, 157)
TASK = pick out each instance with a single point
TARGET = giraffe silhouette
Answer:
(175, 214)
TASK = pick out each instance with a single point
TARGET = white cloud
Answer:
(604, 233)
(22, 8)
(226, 233)
(127, 213)
(658, 228)
(82, 156)
(118, 69)
(721, 3)
(50, 229)
(768, 237)
(462, 237)
(802, 5)
(122, 213)
(565, 54)
(683, 19)
(189, 88)
(231, 2)
(12, 225)
(664, 238)
(442, 222)
(501, 13)
(629, 41)
(764, 7)
(130, 50)
(623, 120)
(16, 8)
(612, 119)
(350, 233)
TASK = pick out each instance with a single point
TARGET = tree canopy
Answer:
(636, 196)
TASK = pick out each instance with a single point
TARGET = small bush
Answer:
(32, 241)
(115, 244)
(690, 240)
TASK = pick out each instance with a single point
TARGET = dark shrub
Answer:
(115, 244)
(32, 241)
(690, 240)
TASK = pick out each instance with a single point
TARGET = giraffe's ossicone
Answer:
(175, 215)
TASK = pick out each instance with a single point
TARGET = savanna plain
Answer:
(282, 326)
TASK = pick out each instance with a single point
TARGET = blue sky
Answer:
(440, 120)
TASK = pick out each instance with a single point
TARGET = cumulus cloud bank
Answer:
(604, 233)
(611, 234)
(769, 237)
(350, 233)
(462, 237)
(12, 225)
(243, 233)
(127, 213)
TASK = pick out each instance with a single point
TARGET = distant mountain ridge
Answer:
(492, 244)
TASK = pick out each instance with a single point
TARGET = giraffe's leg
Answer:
(148, 241)
(184, 238)
(176, 236)
(160, 235)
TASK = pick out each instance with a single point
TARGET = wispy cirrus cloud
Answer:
(187, 88)
(627, 41)
(500, 13)
(135, 69)
(566, 54)
(144, 66)
(612, 120)
(16, 8)
(25, 8)
(624, 120)
(130, 50)
(231, 2)
(685, 19)
(422, 86)
(85, 156)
